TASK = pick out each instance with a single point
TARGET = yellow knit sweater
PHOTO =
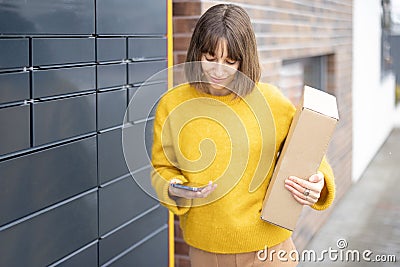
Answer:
(200, 138)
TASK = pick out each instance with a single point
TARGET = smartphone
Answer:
(185, 187)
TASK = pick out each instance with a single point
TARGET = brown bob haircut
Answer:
(230, 23)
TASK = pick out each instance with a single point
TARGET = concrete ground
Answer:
(366, 221)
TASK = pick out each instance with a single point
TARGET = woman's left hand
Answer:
(306, 192)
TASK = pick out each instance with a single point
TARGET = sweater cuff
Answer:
(179, 205)
(328, 191)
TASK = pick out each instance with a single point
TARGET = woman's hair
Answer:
(231, 23)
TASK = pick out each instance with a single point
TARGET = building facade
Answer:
(374, 105)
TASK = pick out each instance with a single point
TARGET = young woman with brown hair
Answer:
(226, 127)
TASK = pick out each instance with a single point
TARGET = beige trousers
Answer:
(201, 258)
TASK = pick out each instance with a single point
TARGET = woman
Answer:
(222, 131)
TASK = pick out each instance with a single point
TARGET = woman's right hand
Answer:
(178, 192)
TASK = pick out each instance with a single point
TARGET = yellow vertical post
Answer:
(171, 240)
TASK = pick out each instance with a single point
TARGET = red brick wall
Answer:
(290, 29)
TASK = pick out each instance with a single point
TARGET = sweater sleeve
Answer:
(328, 191)
(164, 168)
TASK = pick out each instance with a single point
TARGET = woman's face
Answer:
(219, 70)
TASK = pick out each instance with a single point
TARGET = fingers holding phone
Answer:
(177, 189)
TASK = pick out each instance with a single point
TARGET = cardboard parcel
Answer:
(306, 144)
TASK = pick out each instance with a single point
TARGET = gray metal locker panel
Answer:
(152, 252)
(111, 246)
(111, 49)
(67, 61)
(15, 129)
(130, 199)
(110, 154)
(142, 107)
(148, 137)
(135, 147)
(51, 235)
(14, 53)
(140, 72)
(35, 181)
(111, 107)
(143, 179)
(86, 258)
(56, 51)
(143, 100)
(63, 118)
(14, 87)
(134, 17)
(111, 75)
(63, 81)
(147, 48)
(47, 17)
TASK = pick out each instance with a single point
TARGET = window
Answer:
(296, 73)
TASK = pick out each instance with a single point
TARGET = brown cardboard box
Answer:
(301, 155)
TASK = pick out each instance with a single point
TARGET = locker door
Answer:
(14, 87)
(37, 180)
(60, 51)
(14, 52)
(56, 82)
(133, 17)
(63, 118)
(50, 235)
(47, 17)
(15, 129)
